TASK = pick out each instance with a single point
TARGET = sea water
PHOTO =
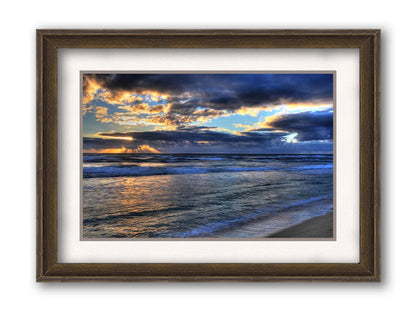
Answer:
(202, 196)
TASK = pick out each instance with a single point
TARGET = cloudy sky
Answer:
(208, 113)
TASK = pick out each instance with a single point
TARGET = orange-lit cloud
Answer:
(94, 90)
(299, 107)
(253, 111)
(101, 112)
(118, 97)
(90, 88)
(148, 149)
(144, 108)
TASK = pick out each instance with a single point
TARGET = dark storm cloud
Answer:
(223, 91)
(309, 126)
(186, 136)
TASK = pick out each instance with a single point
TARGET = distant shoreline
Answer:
(318, 227)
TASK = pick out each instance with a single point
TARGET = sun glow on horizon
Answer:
(146, 149)
(117, 137)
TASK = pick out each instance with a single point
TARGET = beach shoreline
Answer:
(317, 227)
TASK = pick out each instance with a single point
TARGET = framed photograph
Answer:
(208, 155)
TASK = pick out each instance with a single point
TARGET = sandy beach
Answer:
(318, 227)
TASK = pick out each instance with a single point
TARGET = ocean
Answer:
(202, 195)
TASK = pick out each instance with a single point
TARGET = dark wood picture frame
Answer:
(48, 43)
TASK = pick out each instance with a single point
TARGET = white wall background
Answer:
(17, 80)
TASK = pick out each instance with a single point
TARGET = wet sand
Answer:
(318, 227)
